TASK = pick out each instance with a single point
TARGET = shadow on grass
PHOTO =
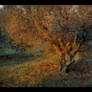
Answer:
(13, 59)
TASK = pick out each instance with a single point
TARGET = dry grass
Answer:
(27, 74)
(43, 72)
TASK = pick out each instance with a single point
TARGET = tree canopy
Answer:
(63, 26)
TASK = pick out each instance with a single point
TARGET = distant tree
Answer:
(60, 25)
(5, 42)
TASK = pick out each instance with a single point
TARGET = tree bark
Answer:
(66, 54)
(65, 64)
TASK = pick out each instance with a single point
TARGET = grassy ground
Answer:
(26, 73)
(42, 71)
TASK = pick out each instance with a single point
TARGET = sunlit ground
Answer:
(43, 71)
(28, 73)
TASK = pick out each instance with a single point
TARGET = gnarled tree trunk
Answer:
(67, 54)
